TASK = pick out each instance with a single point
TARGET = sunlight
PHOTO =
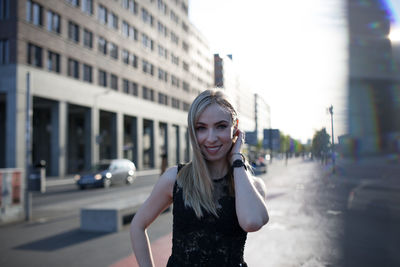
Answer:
(394, 35)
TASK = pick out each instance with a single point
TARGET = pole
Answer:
(333, 141)
(28, 195)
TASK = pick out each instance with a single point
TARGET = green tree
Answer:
(320, 143)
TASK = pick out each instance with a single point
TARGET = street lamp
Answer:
(333, 142)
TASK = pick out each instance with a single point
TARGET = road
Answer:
(310, 225)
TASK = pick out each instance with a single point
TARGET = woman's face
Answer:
(214, 132)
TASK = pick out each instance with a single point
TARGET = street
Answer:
(310, 224)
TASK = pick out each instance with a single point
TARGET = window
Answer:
(133, 33)
(184, 8)
(130, 5)
(4, 9)
(114, 82)
(185, 46)
(162, 29)
(163, 99)
(88, 38)
(147, 17)
(175, 59)
(185, 66)
(162, 6)
(125, 28)
(148, 93)
(102, 45)
(162, 75)
(174, 17)
(146, 41)
(147, 67)
(129, 31)
(102, 14)
(134, 60)
(174, 38)
(87, 73)
(185, 86)
(87, 7)
(73, 32)
(53, 22)
(75, 3)
(175, 103)
(34, 13)
(53, 61)
(185, 27)
(135, 90)
(175, 81)
(162, 52)
(4, 52)
(73, 68)
(113, 50)
(112, 21)
(35, 55)
(186, 106)
(102, 78)
(125, 88)
(125, 56)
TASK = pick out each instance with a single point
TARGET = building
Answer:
(98, 79)
(373, 83)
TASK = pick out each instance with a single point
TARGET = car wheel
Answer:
(106, 183)
(129, 180)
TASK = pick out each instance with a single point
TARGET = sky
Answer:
(294, 53)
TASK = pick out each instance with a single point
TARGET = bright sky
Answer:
(292, 52)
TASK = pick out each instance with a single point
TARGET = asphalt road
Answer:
(310, 224)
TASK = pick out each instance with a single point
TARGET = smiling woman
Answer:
(216, 200)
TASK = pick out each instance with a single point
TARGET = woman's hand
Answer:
(236, 146)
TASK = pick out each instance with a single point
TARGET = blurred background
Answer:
(96, 92)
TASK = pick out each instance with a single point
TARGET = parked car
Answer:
(106, 173)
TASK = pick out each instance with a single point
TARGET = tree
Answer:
(320, 143)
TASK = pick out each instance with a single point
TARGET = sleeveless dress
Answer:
(209, 241)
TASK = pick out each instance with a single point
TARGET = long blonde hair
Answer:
(194, 177)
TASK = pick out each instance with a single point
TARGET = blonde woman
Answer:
(216, 200)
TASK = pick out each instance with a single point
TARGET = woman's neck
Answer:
(217, 169)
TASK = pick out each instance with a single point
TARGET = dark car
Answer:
(106, 173)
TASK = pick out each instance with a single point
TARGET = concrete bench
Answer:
(110, 216)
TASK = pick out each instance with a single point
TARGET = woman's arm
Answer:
(250, 195)
(159, 199)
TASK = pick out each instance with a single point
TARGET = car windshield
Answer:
(100, 167)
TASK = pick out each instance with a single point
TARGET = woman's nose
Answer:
(211, 135)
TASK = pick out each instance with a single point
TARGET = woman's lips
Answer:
(212, 149)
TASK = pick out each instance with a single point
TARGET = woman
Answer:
(216, 201)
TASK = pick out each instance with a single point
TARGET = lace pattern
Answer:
(210, 240)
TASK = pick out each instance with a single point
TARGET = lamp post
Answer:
(333, 142)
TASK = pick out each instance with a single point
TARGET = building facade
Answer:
(374, 79)
(97, 80)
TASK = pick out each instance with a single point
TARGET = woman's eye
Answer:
(222, 126)
(200, 128)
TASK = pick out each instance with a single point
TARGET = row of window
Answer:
(34, 15)
(78, 70)
(4, 51)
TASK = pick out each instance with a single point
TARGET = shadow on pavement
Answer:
(60, 241)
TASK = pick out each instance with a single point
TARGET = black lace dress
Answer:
(209, 241)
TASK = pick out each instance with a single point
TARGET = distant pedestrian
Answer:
(216, 200)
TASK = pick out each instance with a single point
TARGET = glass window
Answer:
(125, 88)
(4, 9)
(102, 78)
(53, 22)
(102, 45)
(135, 90)
(112, 21)
(87, 6)
(102, 14)
(87, 73)
(35, 55)
(88, 38)
(75, 3)
(113, 50)
(73, 32)
(53, 61)
(34, 13)
(125, 56)
(134, 60)
(4, 52)
(73, 68)
(114, 82)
